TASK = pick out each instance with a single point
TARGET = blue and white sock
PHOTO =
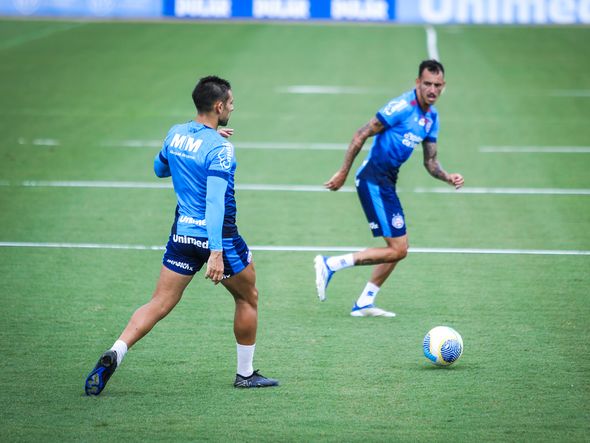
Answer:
(338, 262)
(368, 295)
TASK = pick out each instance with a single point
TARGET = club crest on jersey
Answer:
(425, 122)
(397, 221)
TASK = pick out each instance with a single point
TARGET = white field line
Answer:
(294, 188)
(536, 149)
(325, 89)
(302, 248)
(509, 191)
(431, 43)
(50, 142)
(311, 146)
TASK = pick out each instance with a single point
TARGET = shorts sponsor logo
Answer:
(191, 221)
(397, 221)
(373, 226)
(180, 264)
(187, 240)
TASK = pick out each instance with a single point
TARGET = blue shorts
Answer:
(382, 208)
(186, 255)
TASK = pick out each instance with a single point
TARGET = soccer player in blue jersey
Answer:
(398, 127)
(202, 165)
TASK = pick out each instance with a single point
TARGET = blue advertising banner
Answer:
(492, 12)
(366, 10)
(82, 8)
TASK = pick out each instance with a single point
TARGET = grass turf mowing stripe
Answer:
(300, 248)
(294, 188)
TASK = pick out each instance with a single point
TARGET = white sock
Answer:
(120, 347)
(368, 296)
(245, 359)
(338, 262)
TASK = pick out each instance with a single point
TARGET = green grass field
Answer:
(78, 97)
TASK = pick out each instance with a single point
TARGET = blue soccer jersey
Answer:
(406, 126)
(197, 157)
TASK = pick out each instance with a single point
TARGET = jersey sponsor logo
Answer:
(359, 9)
(186, 143)
(180, 264)
(411, 140)
(203, 8)
(191, 221)
(397, 221)
(394, 106)
(187, 240)
(290, 9)
(226, 155)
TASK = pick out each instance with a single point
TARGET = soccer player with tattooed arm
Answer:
(398, 127)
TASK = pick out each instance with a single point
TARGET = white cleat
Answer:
(323, 275)
(370, 311)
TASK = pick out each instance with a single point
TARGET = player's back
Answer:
(194, 152)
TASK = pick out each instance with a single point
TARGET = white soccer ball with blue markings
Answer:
(443, 346)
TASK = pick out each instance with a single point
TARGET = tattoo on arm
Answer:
(432, 164)
(371, 128)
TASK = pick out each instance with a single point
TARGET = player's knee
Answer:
(397, 253)
(253, 298)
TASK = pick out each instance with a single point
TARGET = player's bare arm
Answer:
(434, 168)
(370, 129)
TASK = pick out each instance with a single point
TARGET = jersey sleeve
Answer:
(219, 161)
(393, 112)
(215, 211)
(433, 134)
(161, 166)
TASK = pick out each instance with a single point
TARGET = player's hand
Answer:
(336, 181)
(456, 180)
(215, 267)
(225, 132)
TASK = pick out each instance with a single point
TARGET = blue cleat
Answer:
(256, 380)
(97, 379)
(323, 275)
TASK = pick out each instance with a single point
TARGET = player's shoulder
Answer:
(399, 104)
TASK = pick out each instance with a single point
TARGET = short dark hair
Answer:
(431, 65)
(209, 90)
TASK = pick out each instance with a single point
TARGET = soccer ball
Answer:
(443, 346)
